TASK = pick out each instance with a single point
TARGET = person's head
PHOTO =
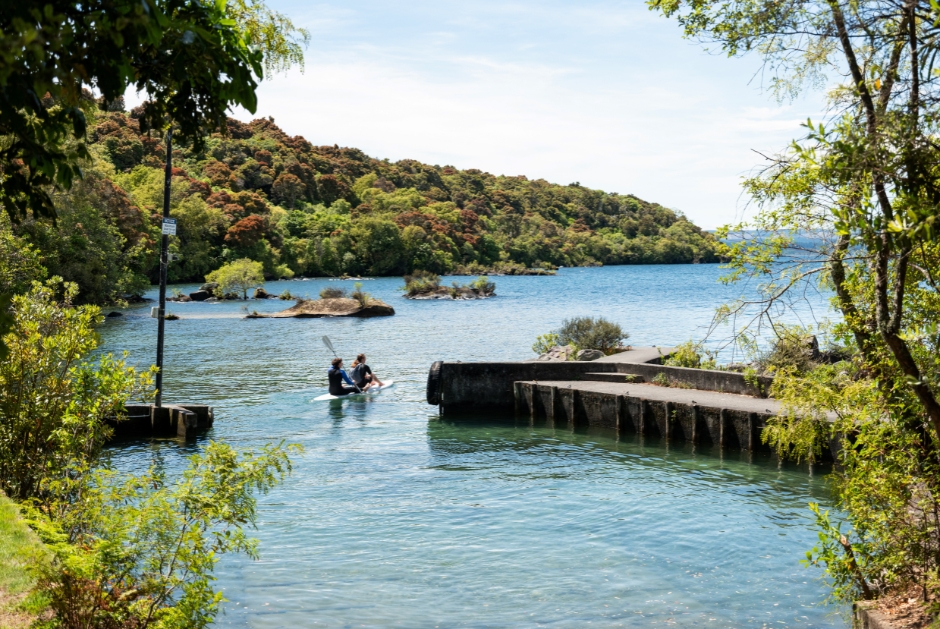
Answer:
(360, 360)
(337, 362)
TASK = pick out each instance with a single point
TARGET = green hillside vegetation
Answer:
(306, 210)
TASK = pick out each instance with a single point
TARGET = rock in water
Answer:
(200, 295)
(334, 307)
(559, 352)
(589, 354)
(209, 287)
(260, 293)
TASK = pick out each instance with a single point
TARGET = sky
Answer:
(604, 93)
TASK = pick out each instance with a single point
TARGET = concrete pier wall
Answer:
(477, 386)
(702, 379)
(675, 421)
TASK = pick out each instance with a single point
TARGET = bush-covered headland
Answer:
(299, 209)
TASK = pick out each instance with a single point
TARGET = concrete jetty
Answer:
(706, 417)
(184, 421)
(631, 392)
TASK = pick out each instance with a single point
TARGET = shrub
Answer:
(240, 275)
(53, 400)
(591, 333)
(138, 552)
(421, 283)
(283, 272)
(795, 349)
(331, 292)
(20, 263)
(692, 355)
(361, 297)
(285, 295)
(545, 342)
(483, 286)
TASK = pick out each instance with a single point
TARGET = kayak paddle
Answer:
(329, 346)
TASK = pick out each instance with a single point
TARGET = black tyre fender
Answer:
(434, 383)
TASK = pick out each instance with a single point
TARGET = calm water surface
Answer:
(397, 518)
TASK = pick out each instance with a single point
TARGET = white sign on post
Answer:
(169, 226)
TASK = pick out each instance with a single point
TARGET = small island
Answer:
(425, 285)
(333, 302)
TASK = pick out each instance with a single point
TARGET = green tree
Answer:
(139, 551)
(378, 245)
(86, 246)
(197, 246)
(53, 400)
(241, 275)
(853, 206)
(20, 263)
(178, 52)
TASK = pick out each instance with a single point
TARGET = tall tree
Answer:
(194, 60)
(854, 205)
(869, 175)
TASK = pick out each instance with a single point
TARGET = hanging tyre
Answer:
(434, 383)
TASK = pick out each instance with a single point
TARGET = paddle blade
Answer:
(329, 344)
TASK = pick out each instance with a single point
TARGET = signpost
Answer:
(169, 229)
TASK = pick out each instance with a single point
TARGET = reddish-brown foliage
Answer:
(246, 232)
(218, 173)
(332, 188)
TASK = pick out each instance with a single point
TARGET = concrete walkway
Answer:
(655, 393)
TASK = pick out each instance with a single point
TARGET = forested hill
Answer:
(325, 210)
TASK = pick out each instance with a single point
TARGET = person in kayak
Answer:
(336, 375)
(362, 374)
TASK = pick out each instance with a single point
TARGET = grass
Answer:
(19, 547)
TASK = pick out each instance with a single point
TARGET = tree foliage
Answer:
(261, 194)
(139, 551)
(241, 275)
(53, 400)
(190, 57)
(853, 207)
(121, 551)
(591, 333)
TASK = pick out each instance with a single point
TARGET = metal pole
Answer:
(164, 245)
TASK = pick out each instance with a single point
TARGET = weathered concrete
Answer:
(614, 377)
(704, 379)
(708, 417)
(867, 616)
(170, 420)
(653, 355)
(476, 386)
(473, 386)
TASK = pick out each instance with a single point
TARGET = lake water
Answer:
(395, 517)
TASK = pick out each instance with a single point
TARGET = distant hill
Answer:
(325, 210)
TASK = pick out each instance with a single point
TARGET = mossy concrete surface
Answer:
(19, 547)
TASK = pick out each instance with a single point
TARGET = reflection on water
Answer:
(396, 517)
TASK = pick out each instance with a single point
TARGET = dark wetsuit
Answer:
(336, 378)
(359, 373)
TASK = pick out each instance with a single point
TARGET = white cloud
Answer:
(607, 94)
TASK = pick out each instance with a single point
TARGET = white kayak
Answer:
(373, 391)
